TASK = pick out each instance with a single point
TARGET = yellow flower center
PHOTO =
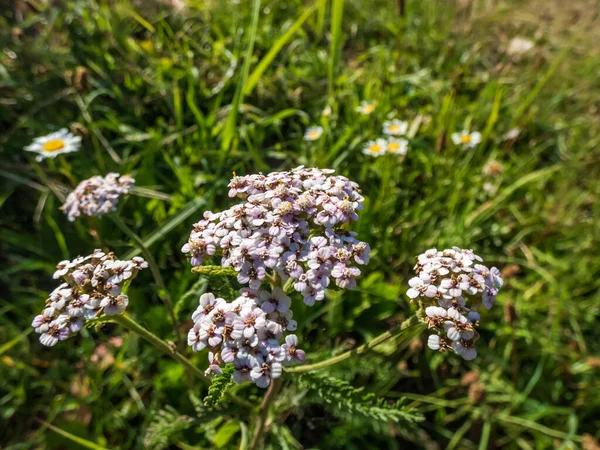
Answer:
(313, 134)
(368, 109)
(465, 139)
(53, 145)
(393, 147)
(375, 148)
(395, 128)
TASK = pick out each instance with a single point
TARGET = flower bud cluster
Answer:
(445, 281)
(289, 223)
(247, 332)
(97, 195)
(93, 284)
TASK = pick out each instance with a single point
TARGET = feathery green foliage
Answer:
(165, 425)
(219, 386)
(349, 400)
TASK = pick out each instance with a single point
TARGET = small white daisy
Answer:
(466, 139)
(395, 127)
(375, 148)
(54, 144)
(397, 146)
(365, 108)
(313, 133)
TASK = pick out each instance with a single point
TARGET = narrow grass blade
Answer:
(337, 13)
(488, 208)
(542, 82)
(276, 48)
(79, 440)
(485, 435)
(229, 131)
(177, 219)
(10, 344)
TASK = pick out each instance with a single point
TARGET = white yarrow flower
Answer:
(54, 144)
(365, 108)
(395, 127)
(397, 146)
(466, 139)
(377, 147)
(313, 133)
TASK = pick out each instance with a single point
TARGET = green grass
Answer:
(183, 99)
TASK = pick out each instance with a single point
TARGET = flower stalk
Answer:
(169, 349)
(130, 324)
(261, 420)
(396, 331)
(163, 291)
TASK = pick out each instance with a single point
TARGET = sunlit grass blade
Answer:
(491, 206)
(276, 48)
(541, 83)
(337, 13)
(165, 229)
(229, 131)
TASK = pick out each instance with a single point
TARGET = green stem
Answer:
(127, 322)
(164, 293)
(163, 346)
(396, 331)
(261, 420)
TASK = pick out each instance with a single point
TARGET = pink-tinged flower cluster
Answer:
(93, 285)
(290, 224)
(97, 195)
(445, 281)
(247, 333)
(287, 231)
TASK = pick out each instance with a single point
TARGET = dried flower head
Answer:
(493, 168)
(92, 285)
(445, 281)
(54, 144)
(97, 195)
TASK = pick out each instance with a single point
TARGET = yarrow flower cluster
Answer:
(93, 285)
(289, 224)
(444, 282)
(247, 333)
(97, 195)
(54, 144)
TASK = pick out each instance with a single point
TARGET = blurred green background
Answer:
(182, 93)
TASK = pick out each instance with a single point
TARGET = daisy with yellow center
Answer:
(365, 108)
(466, 139)
(395, 127)
(397, 146)
(313, 133)
(375, 148)
(54, 144)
